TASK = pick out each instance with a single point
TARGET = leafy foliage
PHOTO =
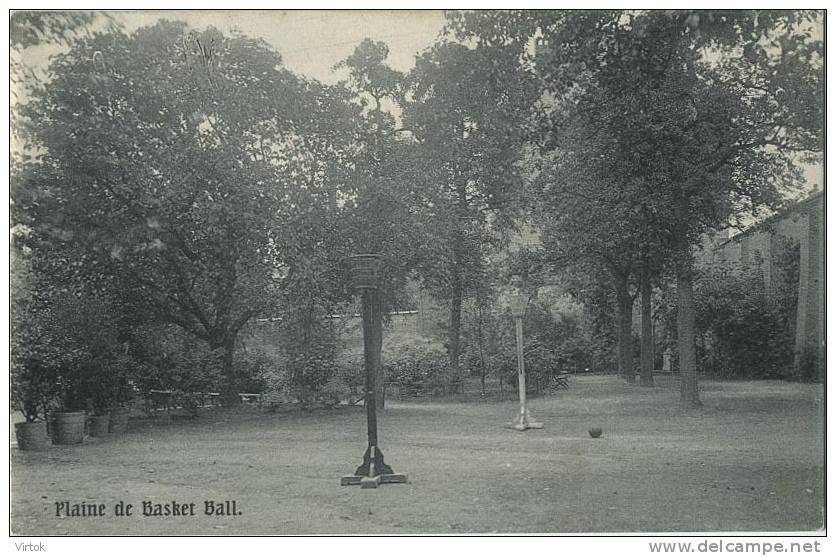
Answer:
(176, 184)
(369, 75)
(744, 329)
(381, 213)
(67, 356)
(305, 368)
(421, 370)
(167, 358)
(689, 107)
(554, 342)
(30, 28)
(252, 368)
(467, 117)
(181, 165)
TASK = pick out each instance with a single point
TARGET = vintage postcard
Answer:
(482, 272)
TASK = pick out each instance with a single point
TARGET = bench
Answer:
(250, 398)
(157, 398)
(426, 389)
(174, 399)
(213, 397)
(559, 380)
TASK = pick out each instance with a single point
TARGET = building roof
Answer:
(813, 201)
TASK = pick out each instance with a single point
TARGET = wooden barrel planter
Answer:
(68, 428)
(99, 425)
(31, 436)
(119, 420)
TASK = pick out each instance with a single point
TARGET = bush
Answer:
(344, 381)
(311, 374)
(313, 378)
(252, 368)
(305, 367)
(65, 354)
(743, 331)
(421, 370)
(164, 357)
(552, 343)
(33, 389)
(540, 364)
(349, 379)
(37, 355)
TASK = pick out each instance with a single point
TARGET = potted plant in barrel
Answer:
(106, 385)
(35, 356)
(85, 382)
(33, 390)
(104, 381)
(69, 420)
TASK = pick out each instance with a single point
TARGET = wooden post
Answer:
(523, 421)
(371, 355)
(520, 366)
(373, 471)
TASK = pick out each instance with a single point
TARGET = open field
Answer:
(750, 460)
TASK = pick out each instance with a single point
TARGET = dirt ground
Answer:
(750, 460)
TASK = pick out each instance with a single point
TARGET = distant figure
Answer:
(666, 360)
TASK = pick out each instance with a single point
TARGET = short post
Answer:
(523, 420)
(365, 273)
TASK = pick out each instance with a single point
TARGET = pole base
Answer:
(524, 421)
(373, 482)
(373, 472)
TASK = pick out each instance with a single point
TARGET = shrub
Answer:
(349, 379)
(164, 357)
(421, 369)
(305, 368)
(65, 354)
(33, 389)
(312, 378)
(344, 381)
(540, 364)
(37, 356)
(743, 330)
(309, 374)
(252, 368)
(552, 342)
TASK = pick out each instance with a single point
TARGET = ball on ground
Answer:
(595, 432)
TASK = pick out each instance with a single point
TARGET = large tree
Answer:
(702, 109)
(168, 160)
(381, 213)
(587, 228)
(713, 109)
(469, 125)
(594, 215)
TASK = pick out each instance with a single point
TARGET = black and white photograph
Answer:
(418, 273)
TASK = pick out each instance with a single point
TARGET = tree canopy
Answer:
(186, 165)
(190, 179)
(692, 105)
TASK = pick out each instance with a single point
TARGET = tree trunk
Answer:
(685, 329)
(689, 394)
(457, 288)
(624, 302)
(229, 394)
(646, 372)
(455, 324)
